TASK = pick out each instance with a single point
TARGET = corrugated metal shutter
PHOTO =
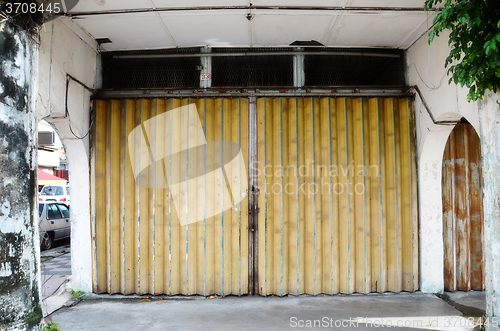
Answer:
(338, 203)
(141, 244)
(338, 195)
(463, 222)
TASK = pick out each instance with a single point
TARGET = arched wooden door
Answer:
(463, 224)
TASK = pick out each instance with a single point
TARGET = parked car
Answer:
(54, 223)
(58, 193)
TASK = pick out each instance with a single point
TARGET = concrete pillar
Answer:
(431, 210)
(489, 117)
(77, 151)
(62, 52)
(19, 251)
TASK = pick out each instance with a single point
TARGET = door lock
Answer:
(255, 190)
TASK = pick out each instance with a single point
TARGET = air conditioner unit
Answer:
(46, 138)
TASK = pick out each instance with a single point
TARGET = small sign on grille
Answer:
(205, 77)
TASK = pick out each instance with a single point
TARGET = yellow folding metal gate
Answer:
(338, 203)
(338, 197)
(141, 242)
(463, 221)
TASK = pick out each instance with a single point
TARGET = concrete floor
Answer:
(471, 303)
(420, 311)
(55, 277)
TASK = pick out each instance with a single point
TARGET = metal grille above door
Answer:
(120, 72)
(252, 71)
(385, 68)
(463, 222)
(274, 68)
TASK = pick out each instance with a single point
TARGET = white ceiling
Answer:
(154, 24)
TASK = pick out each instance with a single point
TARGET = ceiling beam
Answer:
(183, 9)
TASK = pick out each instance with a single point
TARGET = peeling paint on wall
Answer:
(489, 114)
(14, 86)
(19, 294)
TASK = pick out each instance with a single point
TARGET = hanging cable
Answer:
(423, 81)
(68, 79)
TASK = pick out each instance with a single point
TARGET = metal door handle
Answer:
(51, 222)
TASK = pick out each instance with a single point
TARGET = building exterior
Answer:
(51, 155)
(344, 107)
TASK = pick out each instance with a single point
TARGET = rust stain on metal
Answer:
(463, 211)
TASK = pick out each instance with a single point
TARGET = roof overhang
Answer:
(157, 24)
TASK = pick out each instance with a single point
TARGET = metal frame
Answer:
(292, 51)
(206, 67)
(299, 74)
(347, 92)
(253, 203)
(276, 8)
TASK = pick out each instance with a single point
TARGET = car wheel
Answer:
(47, 241)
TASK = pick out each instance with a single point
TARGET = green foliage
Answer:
(33, 318)
(474, 60)
(52, 327)
(76, 294)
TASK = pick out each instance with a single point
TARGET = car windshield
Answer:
(52, 190)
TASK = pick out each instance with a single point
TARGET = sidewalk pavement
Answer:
(471, 303)
(56, 275)
(410, 311)
(340, 312)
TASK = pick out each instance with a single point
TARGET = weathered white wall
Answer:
(62, 52)
(489, 111)
(19, 275)
(447, 103)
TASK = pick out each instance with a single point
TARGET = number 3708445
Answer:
(32, 8)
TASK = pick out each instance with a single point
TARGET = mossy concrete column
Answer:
(19, 286)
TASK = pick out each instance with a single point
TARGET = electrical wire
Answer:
(423, 81)
(88, 132)
(68, 79)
